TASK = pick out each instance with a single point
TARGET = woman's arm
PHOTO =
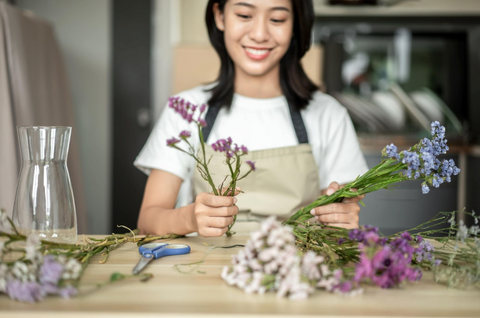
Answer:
(209, 215)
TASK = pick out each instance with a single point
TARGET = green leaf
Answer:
(116, 277)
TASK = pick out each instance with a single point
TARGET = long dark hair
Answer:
(295, 84)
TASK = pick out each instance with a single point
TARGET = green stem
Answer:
(205, 165)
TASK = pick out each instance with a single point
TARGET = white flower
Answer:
(462, 232)
(4, 224)
(72, 269)
(21, 271)
(31, 247)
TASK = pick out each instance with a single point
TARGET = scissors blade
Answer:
(147, 258)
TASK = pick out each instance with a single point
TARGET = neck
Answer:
(264, 86)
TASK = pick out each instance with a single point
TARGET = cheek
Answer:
(283, 36)
(233, 31)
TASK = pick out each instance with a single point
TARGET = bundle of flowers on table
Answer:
(294, 258)
(31, 269)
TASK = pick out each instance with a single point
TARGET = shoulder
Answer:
(197, 95)
(324, 106)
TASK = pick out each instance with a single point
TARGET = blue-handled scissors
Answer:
(152, 251)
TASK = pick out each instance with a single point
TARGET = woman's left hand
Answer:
(343, 214)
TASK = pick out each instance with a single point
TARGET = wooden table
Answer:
(202, 293)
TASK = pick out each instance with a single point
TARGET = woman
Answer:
(303, 140)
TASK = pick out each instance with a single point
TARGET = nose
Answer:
(259, 32)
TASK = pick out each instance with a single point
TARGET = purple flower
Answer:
(187, 110)
(391, 151)
(251, 164)
(202, 122)
(384, 265)
(172, 141)
(367, 235)
(68, 292)
(363, 268)
(24, 291)
(50, 271)
(185, 134)
(421, 160)
(424, 251)
(344, 287)
(221, 145)
(425, 188)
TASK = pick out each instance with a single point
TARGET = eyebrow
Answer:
(244, 4)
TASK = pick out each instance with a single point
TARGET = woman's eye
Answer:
(277, 21)
(243, 16)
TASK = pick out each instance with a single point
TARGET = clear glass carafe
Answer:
(44, 202)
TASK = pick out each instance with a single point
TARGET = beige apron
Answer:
(285, 180)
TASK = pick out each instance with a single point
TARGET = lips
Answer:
(257, 53)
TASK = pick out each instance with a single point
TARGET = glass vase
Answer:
(44, 202)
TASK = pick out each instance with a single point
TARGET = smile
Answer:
(257, 53)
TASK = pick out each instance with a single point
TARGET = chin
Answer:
(256, 71)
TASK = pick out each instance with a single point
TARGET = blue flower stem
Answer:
(379, 177)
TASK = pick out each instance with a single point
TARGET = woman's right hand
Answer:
(213, 214)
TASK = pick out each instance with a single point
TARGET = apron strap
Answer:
(295, 115)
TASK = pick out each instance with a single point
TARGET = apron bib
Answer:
(285, 180)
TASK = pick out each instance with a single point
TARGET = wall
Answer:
(83, 31)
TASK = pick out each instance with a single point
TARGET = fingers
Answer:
(348, 218)
(212, 231)
(237, 191)
(214, 214)
(219, 222)
(354, 199)
(336, 208)
(216, 201)
(334, 186)
(343, 214)
(343, 225)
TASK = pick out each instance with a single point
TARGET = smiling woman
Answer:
(256, 42)
(302, 141)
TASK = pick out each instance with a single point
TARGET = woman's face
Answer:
(257, 33)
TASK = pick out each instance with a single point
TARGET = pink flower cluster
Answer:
(187, 110)
(229, 148)
(270, 261)
(385, 265)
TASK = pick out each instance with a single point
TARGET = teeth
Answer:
(256, 52)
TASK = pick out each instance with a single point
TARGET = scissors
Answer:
(152, 251)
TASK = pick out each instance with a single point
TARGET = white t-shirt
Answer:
(259, 124)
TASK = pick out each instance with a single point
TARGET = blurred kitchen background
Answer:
(395, 65)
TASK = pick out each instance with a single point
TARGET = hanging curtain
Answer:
(34, 91)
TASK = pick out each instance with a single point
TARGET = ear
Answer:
(219, 18)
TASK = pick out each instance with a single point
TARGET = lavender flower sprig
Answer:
(418, 162)
(232, 151)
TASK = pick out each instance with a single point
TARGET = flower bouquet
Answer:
(31, 269)
(232, 151)
(418, 162)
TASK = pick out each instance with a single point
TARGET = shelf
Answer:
(411, 8)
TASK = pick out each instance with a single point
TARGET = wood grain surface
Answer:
(198, 290)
